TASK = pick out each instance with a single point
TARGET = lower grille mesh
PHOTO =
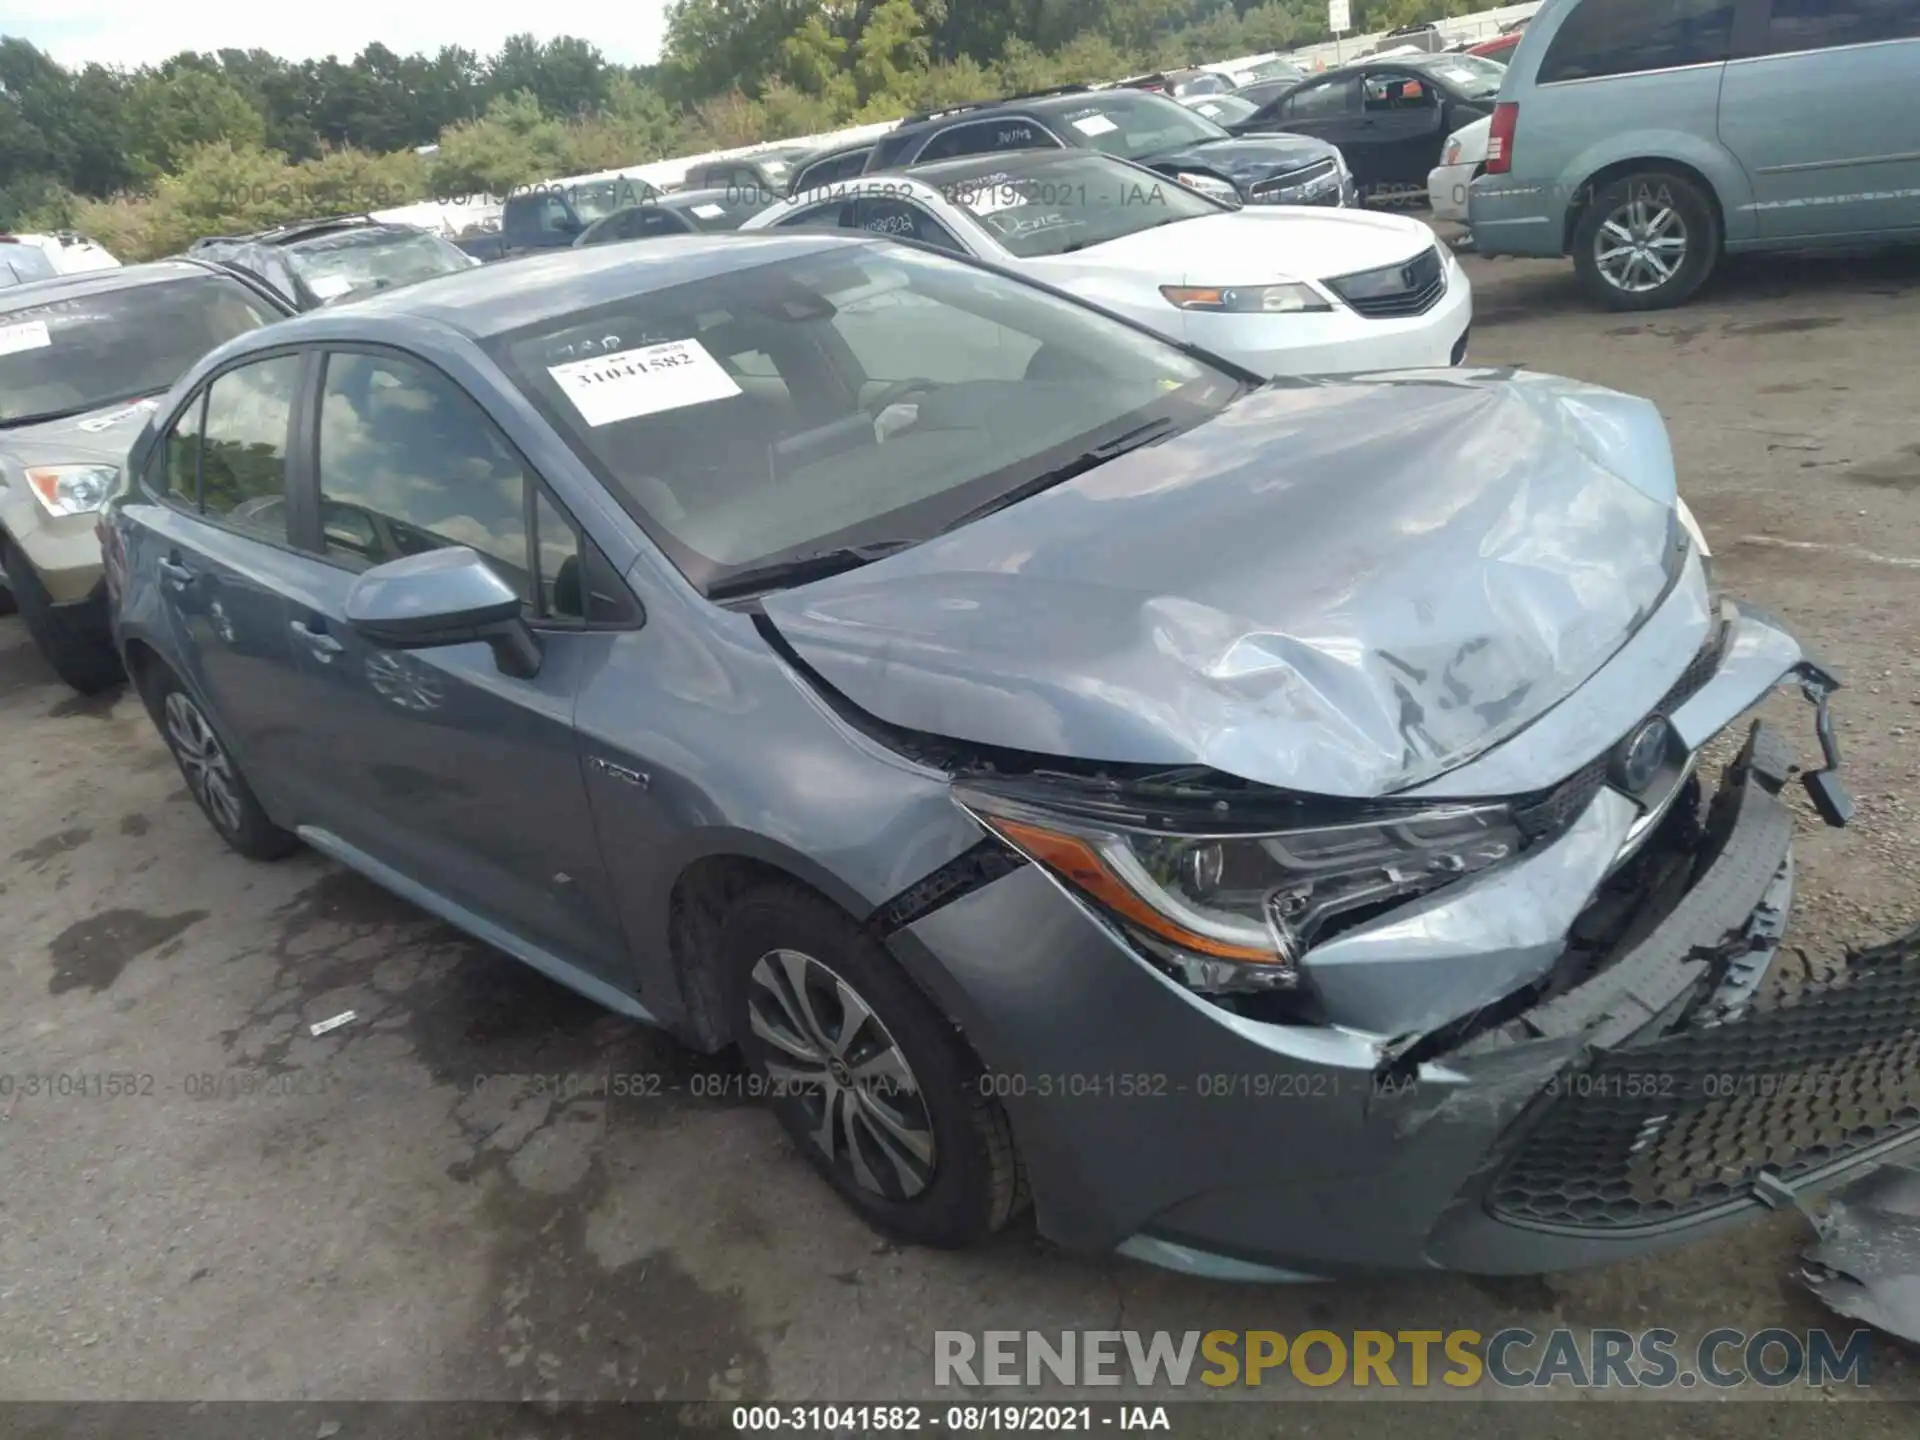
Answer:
(1684, 1126)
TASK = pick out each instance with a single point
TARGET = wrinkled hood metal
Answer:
(1254, 246)
(1345, 588)
(98, 437)
(1245, 158)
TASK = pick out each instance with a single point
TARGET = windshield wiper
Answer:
(1134, 439)
(799, 569)
(47, 416)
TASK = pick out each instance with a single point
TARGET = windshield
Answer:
(1075, 203)
(603, 197)
(1276, 70)
(21, 263)
(85, 352)
(1133, 123)
(1474, 75)
(860, 394)
(376, 258)
(1224, 109)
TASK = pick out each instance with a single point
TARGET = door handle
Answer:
(323, 645)
(177, 574)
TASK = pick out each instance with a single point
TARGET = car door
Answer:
(1401, 130)
(434, 763)
(1819, 106)
(1328, 108)
(220, 544)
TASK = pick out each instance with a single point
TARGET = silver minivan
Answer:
(1646, 138)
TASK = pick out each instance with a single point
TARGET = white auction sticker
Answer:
(330, 287)
(27, 335)
(1095, 125)
(631, 383)
(709, 211)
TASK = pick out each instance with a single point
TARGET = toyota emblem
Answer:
(1637, 759)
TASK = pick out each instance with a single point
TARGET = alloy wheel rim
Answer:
(204, 761)
(829, 1054)
(1640, 246)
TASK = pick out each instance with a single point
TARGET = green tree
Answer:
(169, 115)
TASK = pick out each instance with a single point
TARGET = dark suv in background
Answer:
(1136, 125)
(316, 262)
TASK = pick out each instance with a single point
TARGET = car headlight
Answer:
(1288, 299)
(1230, 907)
(71, 489)
(1211, 186)
(1451, 156)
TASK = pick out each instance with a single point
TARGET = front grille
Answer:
(1293, 179)
(1699, 670)
(1542, 817)
(1688, 1125)
(1395, 291)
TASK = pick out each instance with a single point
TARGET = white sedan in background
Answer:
(1460, 161)
(1281, 289)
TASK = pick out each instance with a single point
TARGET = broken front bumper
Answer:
(1638, 1101)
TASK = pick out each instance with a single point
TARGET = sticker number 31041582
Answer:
(631, 383)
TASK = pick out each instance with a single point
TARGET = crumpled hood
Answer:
(1245, 159)
(1345, 588)
(101, 436)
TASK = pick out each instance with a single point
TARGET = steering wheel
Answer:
(898, 391)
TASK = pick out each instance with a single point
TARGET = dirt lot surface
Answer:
(378, 1227)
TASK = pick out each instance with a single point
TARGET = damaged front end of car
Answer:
(1359, 893)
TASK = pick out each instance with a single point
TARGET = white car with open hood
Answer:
(1282, 290)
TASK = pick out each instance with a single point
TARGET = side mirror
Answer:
(443, 597)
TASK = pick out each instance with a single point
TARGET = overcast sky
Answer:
(135, 32)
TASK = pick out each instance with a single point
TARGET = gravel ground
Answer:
(376, 1229)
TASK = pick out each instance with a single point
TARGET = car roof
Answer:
(298, 230)
(489, 300)
(103, 282)
(687, 199)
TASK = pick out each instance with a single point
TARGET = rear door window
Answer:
(243, 450)
(1630, 37)
(1010, 132)
(1824, 24)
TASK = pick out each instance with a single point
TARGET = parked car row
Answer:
(860, 651)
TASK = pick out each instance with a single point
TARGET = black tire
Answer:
(973, 1184)
(7, 603)
(1655, 191)
(228, 802)
(75, 639)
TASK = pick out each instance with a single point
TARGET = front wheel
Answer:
(1646, 241)
(872, 1084)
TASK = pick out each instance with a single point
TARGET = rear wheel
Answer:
(212, 774)
(871, 1082)
(1646, 241)
(75, 639)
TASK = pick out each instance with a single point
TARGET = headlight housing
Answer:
(1288, 299)
(1211, 186)
(71, 489)
(1233, 905)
